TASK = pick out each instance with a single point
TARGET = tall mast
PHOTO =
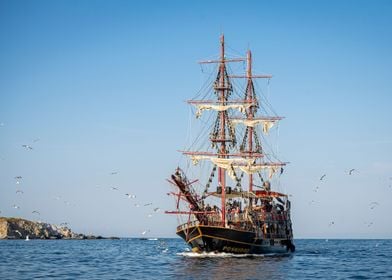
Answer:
(249, 97)
(222, 150)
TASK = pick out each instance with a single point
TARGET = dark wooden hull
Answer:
(204, 238)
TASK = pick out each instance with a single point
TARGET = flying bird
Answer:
(147, 204)
(19, 191)
(316, 189)
(36, 212)
(351, 171)
(27, 147)
(114, 173)
(369, 224)
(373, 205)
(156, 210)
(18, 177)
(149, 215)
(17, 231)
(331, 223)
(15, 206)
(114, 188)
(130, 195)
(322, 177)
(144, 232)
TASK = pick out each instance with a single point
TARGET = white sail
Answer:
(265, 123)
(244, 164)
(250, 169)
(203, 107)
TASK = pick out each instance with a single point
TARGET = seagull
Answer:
(19, 191)
(149, 215)
(27, 147)
(18, 177)
(36, 212)
(18, 232)
(373, 205)
(316, 189)
(351, 171)
(130, 195)
(369, 224)
(17, 182)
(144, 232)
(147, 204)
(15, 206)
(331, 223)
(322, 177)
(114, 188)
(114, 173)
(156, 210)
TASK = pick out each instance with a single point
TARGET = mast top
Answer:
(249, 63)
(222, 41)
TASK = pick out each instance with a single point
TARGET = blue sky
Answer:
(102, 85)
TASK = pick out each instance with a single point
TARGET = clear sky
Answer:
(101, 84)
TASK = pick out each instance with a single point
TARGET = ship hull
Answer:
(220, 239)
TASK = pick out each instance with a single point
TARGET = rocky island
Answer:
(17, 228)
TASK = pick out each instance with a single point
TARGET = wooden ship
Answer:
(235, 209)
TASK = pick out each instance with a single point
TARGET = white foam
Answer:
(220, 255)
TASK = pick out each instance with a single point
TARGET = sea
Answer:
(135, 258)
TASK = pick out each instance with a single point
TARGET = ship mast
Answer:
(222, 151)
(223, 135)
(250, 113)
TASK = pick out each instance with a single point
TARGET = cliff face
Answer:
(16, 228)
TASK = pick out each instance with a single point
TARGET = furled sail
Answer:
(241, 107)
(266, 123)
(220, 162)
(250, 169)
(246, 165)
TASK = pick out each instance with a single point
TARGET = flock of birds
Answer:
(152, 211)
(19, 192)
(18, 180)
(372, 205)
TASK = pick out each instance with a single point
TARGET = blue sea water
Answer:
(171, 259)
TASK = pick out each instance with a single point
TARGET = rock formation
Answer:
(17, 228)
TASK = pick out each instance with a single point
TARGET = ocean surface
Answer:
(171, 259)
